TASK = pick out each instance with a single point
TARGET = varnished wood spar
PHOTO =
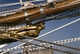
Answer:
(34, 13)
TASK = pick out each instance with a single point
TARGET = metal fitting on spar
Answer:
(41, 10)
(26, 15)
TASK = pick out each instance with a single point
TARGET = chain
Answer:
(38, 45)
(18, 52)
(53, 43)
(43, 41)
(61, 42)
(47, 42)
(58, 42)
(9, 27)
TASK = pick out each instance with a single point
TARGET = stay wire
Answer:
(43, 41)
(38, 45)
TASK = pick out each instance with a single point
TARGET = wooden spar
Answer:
(34, 13)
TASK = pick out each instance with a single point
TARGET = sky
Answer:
(71, 31)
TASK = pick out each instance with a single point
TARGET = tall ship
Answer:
(29, 19)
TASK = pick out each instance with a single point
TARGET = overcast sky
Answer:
(71, 31)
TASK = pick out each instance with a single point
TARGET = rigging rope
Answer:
(43, 41)
(23, 8)
(51, 31)
(64, 51)
(48, 33)
(10, 4)
(58, 42)
(54, 17)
